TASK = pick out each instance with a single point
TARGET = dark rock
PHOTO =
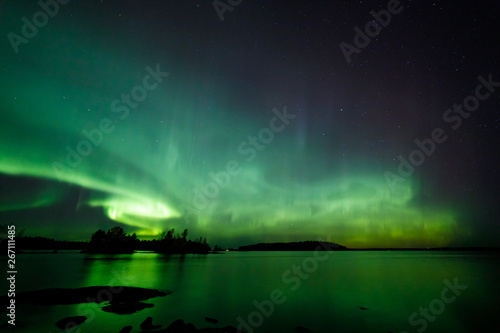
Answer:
(63, 296)
(148, 324)
(362, 308)
(126, 329)
(301, 329)
(126, 307)
(178, 326)
(211, 320)
(70, 322)
(191, 326)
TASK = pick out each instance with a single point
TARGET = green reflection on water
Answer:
(392, 285)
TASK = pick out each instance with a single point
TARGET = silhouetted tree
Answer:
(98, 236)
(170, 234)
(115, 240)
(171, 243)
(116, 233)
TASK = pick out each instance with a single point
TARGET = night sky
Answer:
(154, 115)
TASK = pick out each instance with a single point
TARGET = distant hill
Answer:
(294, 246)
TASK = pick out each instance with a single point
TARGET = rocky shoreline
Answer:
(120, 300)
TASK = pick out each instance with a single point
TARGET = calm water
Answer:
(324, 296)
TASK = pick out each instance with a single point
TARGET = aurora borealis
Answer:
(157, 115)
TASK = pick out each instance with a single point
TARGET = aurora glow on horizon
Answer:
(321, 175)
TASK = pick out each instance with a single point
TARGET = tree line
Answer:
(116, 240)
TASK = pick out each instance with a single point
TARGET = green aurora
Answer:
(154, 157)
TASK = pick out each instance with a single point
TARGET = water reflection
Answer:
(391, 285)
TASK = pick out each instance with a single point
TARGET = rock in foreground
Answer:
(126, 329)
(148, 324)
(211, 320)
(97, 294)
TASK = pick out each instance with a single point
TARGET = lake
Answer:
(351, 291)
